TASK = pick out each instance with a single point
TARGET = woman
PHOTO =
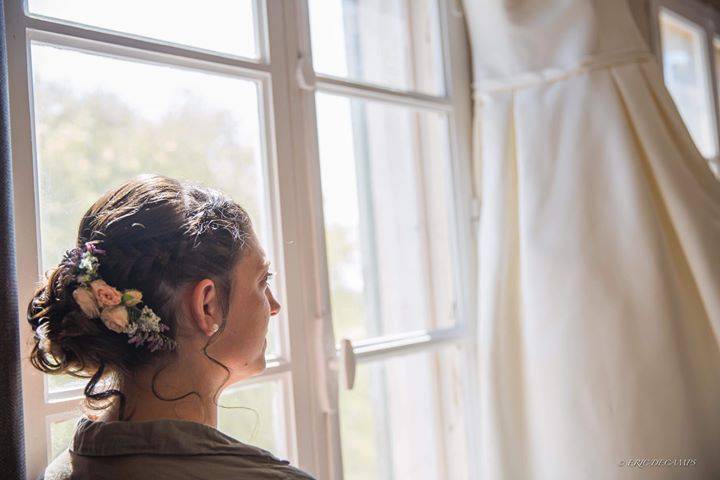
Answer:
(163, 303)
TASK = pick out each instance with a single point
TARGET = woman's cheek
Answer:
(266, 299)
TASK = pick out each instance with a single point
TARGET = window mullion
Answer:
(465, 190)
(304, 263)
(80, 36)
(371, 92)
(387, 347)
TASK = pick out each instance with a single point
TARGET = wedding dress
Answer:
(599, 252)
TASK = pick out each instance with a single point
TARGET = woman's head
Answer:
(192, 253)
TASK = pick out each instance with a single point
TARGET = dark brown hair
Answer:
(159, 235)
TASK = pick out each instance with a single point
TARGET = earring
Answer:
(215, 327)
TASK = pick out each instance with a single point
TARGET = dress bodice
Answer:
(512, 38)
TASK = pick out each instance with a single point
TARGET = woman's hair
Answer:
(159, 235)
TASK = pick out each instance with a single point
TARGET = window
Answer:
(353, 160)
(690, 63)
(716, 58)
(686, 73)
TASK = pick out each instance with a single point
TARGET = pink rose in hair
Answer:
(86, 301)
(115, 318)
(105, 295)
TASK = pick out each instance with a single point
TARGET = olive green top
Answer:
(163, 449)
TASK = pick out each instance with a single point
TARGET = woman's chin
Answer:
(258, 366)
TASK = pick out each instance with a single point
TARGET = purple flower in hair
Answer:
(72, 257)
(93, 249)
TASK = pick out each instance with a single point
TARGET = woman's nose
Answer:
(274, 305)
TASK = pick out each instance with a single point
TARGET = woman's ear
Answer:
(204, 307)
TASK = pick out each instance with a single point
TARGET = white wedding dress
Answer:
(599, 249)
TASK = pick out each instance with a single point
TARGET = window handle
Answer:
(348, 362)
(305, 74)
(328, 391)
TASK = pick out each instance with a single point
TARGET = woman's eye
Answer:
(268, 278)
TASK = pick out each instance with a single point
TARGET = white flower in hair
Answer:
(89, 263)
(148, 320)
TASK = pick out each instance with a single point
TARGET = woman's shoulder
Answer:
(69, 466)
(115, 450)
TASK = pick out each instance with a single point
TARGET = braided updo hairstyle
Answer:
(159, 234)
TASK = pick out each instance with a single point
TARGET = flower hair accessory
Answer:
(121, 312)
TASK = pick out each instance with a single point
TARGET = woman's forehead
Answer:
(254, 258)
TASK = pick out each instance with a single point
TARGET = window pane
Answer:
(686, 75)
(393, 43)
(100, 121)
(59, 383)
(61, 434)
(404, 418)
(221, 25)
(385, 182)
(255, 415)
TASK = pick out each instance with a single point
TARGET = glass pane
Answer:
(404, 419)
(715, 166)
(59, 383)
(393, 43)
(385, 182)
(61, 434)
(716, 50)
(255, 415)
(686, 75)
(226, 26)
(100, 121)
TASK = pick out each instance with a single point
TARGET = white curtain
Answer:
(599, 252)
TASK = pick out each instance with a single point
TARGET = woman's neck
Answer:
(176, 391)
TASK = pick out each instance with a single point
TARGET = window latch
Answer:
(349, 363)
(305, 73)
(328, 391)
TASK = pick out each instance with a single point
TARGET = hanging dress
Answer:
(599, 252)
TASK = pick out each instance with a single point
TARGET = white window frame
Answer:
(284, 71)
(708, 20)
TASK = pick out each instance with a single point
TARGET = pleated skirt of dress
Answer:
(599, 284)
